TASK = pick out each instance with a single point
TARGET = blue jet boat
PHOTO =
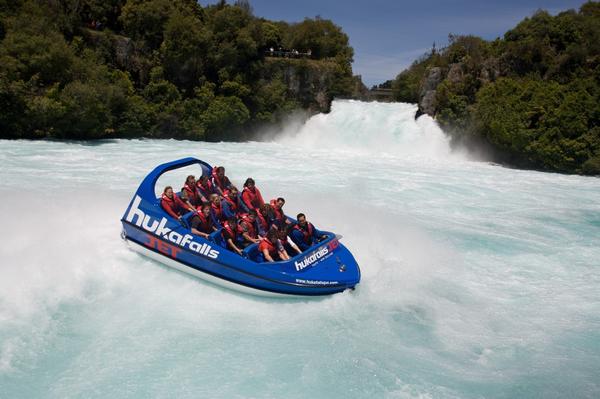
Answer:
(325, 268)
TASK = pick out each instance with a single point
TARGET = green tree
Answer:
(185, 50)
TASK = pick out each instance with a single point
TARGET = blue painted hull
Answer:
(326, 268)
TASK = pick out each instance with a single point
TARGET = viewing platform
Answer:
(380, 94)
(282, 53)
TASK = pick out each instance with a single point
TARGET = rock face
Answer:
(124, 50)
(309, 82)
(428, 90)
(359, 90)
(455, 73)
(490, 70)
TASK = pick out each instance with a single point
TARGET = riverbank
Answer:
(161, 69)
(531, 99)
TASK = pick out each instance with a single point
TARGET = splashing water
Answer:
(478, 281)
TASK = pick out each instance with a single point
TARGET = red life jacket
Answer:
(307, 234)
(207, 190)
(252, 198)
(192, 194)
(284, 241)
(269, 246)
(262, 221)
(233, 204)
(248, 223)
(217, 210)
(278, 212)
(170, 206)
(228, 232)
(223, 183)
(205, 223)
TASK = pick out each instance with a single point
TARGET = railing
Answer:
(287, 53)
(381, 92)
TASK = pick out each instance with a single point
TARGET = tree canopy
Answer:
(533, 95)
(160, 68)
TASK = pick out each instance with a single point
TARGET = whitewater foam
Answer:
(377, 128)
(478, 281)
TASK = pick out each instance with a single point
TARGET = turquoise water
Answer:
(478, 280)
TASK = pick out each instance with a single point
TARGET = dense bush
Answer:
(534, 95)
(162, 68)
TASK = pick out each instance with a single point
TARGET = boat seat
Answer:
(251, 252)
(187, 218)
(217, 238)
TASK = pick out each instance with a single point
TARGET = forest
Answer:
(532, 97)
(95, 69)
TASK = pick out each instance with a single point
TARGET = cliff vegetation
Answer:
(92, 69)
(532, 96)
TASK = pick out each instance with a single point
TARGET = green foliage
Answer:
(321, 36)
(224, 115)
(533, 95)
(271, 34)
(453, 107)
(541, 123)
(87, 110)
(12, 103)
(407, 85)
(91, 69)
(31, 50)
(184, 50)
(144, 20)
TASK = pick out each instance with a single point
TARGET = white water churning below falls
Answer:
(477, 280)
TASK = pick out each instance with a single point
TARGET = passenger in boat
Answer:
(232, 204)
(231, 236)
(216, 211)
(264, 219)
(277, 205)
(304, 234)
(186, 201)
(219, 180)
(205, 188)
(289, 245)
(201, 223)
(271, 249)
(248, 228)
(190, 188)
(251, 195)
(172, 204)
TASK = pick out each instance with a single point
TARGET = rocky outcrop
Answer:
(428, 90)
(490, 71)
(455, 73)
(359, 90)
(124, 50)
(309, 82)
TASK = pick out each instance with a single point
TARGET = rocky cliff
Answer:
(531, 99)
(313, 84)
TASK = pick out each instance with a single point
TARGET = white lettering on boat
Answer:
(151, 225)
(309, 260)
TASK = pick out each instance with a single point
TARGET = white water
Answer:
(478, 281)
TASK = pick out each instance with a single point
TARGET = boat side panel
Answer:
(223, 268)
(201, 275)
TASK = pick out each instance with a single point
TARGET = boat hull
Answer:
(144, 251)
(324, 269)
(233, 275)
